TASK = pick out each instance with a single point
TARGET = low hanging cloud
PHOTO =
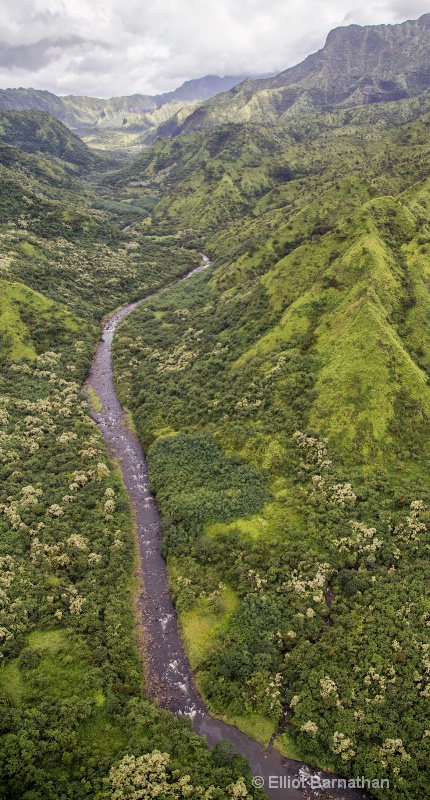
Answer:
(35, 56)
(112, 47)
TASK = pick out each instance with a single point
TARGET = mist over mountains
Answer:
(357, 66)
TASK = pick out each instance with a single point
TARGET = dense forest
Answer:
(75, 721)
(282, 397)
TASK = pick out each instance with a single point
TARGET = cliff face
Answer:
(357, 65)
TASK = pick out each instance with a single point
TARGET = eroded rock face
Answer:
(358, 65)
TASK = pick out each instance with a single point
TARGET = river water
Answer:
(169, 677)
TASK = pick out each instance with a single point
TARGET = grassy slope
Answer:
(20, 310)
(314, 319)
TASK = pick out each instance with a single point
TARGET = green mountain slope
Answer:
(40, 133)
(30, 324)
(358, 65)
(211, 179)
(303, 355)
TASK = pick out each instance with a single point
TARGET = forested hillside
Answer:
(284, 402)
(75, 722)
(282, 396)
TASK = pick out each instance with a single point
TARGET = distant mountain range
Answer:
(81, 112)
(120, 123)
(358, 65)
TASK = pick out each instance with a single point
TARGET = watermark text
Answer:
(318, 782)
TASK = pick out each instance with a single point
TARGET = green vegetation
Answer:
(74, 715)
(39, 133)
(283, 399)
(302, 356)
(200, 624)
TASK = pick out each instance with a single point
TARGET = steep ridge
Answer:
(357, 66)
(40, 133)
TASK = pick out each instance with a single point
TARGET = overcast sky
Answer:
(111, 47)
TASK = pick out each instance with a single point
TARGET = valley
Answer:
(234, 541)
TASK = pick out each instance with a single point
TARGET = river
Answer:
(169, 676)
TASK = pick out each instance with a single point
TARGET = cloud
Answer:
(108, 47)
(408, 9)
(33, 57)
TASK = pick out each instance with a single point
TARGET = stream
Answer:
(169, 677)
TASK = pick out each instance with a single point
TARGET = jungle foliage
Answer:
(283, 399)
(74, 718)
(304, 355)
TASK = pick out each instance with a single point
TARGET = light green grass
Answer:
(292, 323)
(31, 251)
(161, 433)
(99, 698)
(256, 726)
(95, 401)
(129, 421)
(251, 527)
(61, 671)
(11, 682)
(47, 640)
(268, 524)
(287, 747)
(11, 323)
(12, 326)
(200, 624)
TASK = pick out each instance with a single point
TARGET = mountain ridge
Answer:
(336, 76)
(40, 133)
(124, 124)
(81, 110)
(358, 65)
